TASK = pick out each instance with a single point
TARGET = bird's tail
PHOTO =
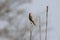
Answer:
(33, 22)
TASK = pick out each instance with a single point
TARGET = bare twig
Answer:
(46, 22)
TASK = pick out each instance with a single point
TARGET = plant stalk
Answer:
(46, 22)
(40, 27)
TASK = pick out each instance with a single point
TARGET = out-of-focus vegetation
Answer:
(17, 21)
(13, 30)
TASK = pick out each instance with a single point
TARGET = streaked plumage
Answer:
(31, 18)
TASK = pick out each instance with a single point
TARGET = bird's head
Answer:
(30, 13)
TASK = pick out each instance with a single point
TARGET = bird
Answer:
(31, 18)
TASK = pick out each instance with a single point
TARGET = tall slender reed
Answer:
(46, 22)
(31, 33)
(40, 26)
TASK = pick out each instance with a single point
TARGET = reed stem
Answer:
(31, 32)
(46, 22)
(40, 27)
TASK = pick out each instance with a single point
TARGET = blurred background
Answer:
(15, 24)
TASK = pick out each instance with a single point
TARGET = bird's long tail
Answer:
(33, 22)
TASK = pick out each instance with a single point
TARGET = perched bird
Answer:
(31, 18)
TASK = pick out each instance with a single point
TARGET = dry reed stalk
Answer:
(46, 22)
(31, 33)
(40, 25)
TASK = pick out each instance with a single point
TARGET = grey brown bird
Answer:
(31, 18)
